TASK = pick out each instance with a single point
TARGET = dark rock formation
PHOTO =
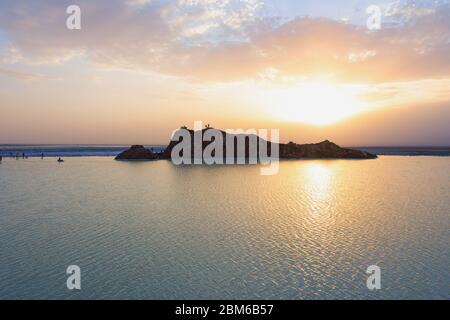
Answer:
(322, 150)
(137, 152)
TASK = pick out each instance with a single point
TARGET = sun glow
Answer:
(316, 104)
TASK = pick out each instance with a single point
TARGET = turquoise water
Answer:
(150, 230)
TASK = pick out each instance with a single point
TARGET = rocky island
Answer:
(291, 150)
(137, 152)
(321, 150)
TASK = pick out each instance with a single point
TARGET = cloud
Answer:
(226, 40)
(24, 76)
(109, 28)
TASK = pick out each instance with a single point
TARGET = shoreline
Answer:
(75, 151)
(32, 157)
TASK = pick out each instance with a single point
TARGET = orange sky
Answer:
(139, 69)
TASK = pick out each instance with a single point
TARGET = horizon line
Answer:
(165, 145)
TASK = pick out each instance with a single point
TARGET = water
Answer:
(67, 150)
(408, 151)
(114, 150)
(150, 230)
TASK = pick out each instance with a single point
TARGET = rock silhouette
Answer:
(137, 152)
(322, 150)
(291, 150)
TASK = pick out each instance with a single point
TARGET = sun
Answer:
(317, 104)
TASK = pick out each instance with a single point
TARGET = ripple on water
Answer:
(155, 231)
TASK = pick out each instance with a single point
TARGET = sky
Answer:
(139, 69)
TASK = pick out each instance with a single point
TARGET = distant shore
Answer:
(407, 151)
(113, 150)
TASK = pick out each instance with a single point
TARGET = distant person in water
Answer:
(42, 156)
(23, 155)
(1, 158)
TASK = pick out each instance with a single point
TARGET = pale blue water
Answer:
(67, 150)
(150, 230)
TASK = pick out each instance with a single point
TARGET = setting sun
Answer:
(316, 104)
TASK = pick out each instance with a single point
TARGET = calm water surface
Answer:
(150, 230)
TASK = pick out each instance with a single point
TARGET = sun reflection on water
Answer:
(317, 182)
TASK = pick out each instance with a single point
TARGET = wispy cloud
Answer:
(25, 76)
(226, 40)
